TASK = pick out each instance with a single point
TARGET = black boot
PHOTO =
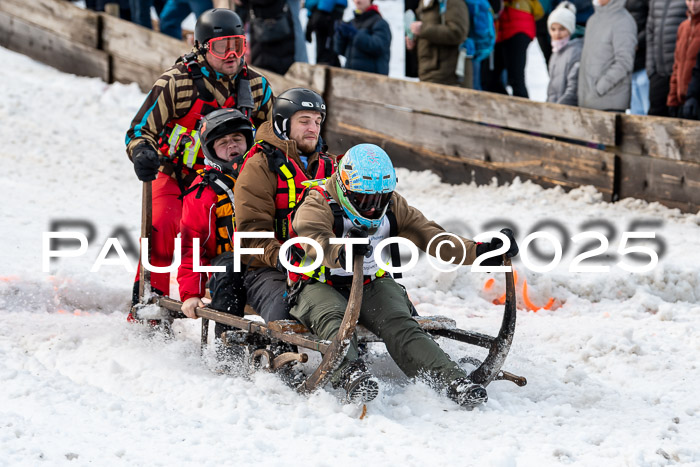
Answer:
(466, 393)
(358, 382)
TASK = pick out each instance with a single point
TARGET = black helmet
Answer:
(218, 22)
(292, 101)
(220, 123)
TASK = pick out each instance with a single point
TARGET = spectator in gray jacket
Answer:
(566, 54)
(662, 29)
(607, 59)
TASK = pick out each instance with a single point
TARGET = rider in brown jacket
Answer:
(359, 202)
(287, 154)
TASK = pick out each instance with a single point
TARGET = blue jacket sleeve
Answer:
(374, 41)
(340, 43)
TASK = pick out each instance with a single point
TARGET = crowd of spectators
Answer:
(637, 56)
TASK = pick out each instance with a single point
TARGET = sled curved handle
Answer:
(491, 366)
(339, 346)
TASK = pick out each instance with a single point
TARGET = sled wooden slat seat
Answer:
(252, 331)
(429, 323)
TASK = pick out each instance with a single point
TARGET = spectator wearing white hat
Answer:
(566, 55)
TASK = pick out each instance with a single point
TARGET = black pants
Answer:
(659, 86)
(325, 55)
(267, 289)
(509, 55)
(228, 293)
(543, 38)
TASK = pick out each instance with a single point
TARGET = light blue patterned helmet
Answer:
(366, 181)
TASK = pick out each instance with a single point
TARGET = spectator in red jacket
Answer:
(515, 29)
(687, 48)
(207, 216)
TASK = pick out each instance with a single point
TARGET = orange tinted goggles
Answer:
(225, 47)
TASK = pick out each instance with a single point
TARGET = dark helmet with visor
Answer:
(292, 101)
(221, 32)
(218, 124)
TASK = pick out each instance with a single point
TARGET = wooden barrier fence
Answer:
(463, 135)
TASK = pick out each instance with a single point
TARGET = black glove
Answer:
(146, 162)
(673, 111)
(495, 244)
(690, 109)
(357, 250)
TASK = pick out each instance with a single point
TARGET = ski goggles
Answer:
(225, 47)
(370, 205)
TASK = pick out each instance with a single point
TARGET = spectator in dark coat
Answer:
(690, 108)
(515, 30)
(639, 105)
(271, 35)
(662, 27)
(687, 48)
(365, 41)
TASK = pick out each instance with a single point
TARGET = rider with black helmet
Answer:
(226, 135)
(163, 141)
(288, 154)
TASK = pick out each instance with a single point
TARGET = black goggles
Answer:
(370, 205)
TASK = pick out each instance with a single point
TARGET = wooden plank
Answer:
(139, 45)
(308, 76)
(126, 71)
(279, 83)
(484, 145)
(53, 50)
(672, 183)
(668, 138)
(61, 17)
(476, 106)
(450, 169)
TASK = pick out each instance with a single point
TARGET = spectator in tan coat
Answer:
(438, 34)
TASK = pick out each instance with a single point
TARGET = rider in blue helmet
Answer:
(366, 181)
(358, 201)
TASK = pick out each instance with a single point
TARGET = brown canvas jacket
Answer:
(439, 40)
(314, 219)
(254, 202)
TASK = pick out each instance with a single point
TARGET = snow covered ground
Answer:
(612, 371)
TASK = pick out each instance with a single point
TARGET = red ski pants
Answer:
(167, 211)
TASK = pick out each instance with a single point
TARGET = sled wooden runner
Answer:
(334, 351)
(340, 345)
(146, 229)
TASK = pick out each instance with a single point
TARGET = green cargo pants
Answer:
(386, 312)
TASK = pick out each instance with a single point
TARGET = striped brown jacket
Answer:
(174, 93)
